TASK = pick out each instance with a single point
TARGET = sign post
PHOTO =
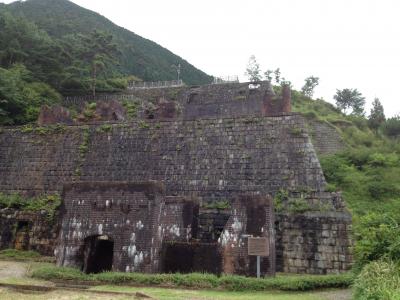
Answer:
(258, 246)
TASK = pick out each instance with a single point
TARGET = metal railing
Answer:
(153, 85)
(80, 100)
(226, 79)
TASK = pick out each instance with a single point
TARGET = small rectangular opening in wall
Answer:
(188, 257)
(22, 235)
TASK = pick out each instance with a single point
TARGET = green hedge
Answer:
(199, 280)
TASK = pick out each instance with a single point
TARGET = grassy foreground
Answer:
(28, 256)
(199, 281)
(170, 294)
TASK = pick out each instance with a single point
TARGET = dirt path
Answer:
(336, 295)
(11, 269)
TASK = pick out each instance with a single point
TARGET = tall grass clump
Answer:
(379, 280)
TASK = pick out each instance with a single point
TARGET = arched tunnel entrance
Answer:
(98, 254)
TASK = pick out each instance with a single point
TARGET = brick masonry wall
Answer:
(314, 242)
(325, 138)
(135, 216)
(27, 231)
(251, 216)
(209, 158)
(215, 100)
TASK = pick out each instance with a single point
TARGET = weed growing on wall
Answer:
(43, 130)
(131, 108)
(83, 149)
(47, 203)
(222, 204)
(105, 128)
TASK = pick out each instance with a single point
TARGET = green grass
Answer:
(172, 294)
(29, 256)
(200, 281)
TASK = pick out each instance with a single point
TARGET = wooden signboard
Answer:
(258, 246)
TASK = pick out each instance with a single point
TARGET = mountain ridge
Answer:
(139, 56)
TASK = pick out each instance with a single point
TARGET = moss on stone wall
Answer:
(48, 203)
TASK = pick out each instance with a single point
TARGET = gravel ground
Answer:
(9, 269)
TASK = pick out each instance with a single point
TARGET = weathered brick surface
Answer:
(314, 242)
(207, 101)
(35, 230)
(251, 215)
(137, 217)
(325, 138)
(209, 158)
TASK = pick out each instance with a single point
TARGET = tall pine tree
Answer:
(377, 116)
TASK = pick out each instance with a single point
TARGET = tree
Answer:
(22, 42)
(377, 116)
(268, 75)
(98, 52)
(350, 99)
(310, 84)
(391, 127)
(253, 69)
(277, 73)
(21, 96)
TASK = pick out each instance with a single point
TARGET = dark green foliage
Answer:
(22, 42)
(391, 127)
(138, 56)
(196, 280)
(21, 96)
(97, 53)
(377, 116)
(350, 99)
(377, 236)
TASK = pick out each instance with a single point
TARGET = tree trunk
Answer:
(94, 80)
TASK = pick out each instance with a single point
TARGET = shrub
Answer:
(378, 280)
(377, 236)
(48, 203)
(200, 280)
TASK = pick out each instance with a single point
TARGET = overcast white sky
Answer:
(347, 43)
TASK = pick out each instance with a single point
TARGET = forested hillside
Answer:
(50, 48)
(138, 56)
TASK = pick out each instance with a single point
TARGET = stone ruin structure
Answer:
(135, 227)
(181, 187)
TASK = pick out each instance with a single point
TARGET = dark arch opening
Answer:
(22, 235)
(98, 254)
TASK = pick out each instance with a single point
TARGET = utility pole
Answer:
(178, 70)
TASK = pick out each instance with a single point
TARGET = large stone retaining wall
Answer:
(325, 138)
(210, 158)
(27, 231)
